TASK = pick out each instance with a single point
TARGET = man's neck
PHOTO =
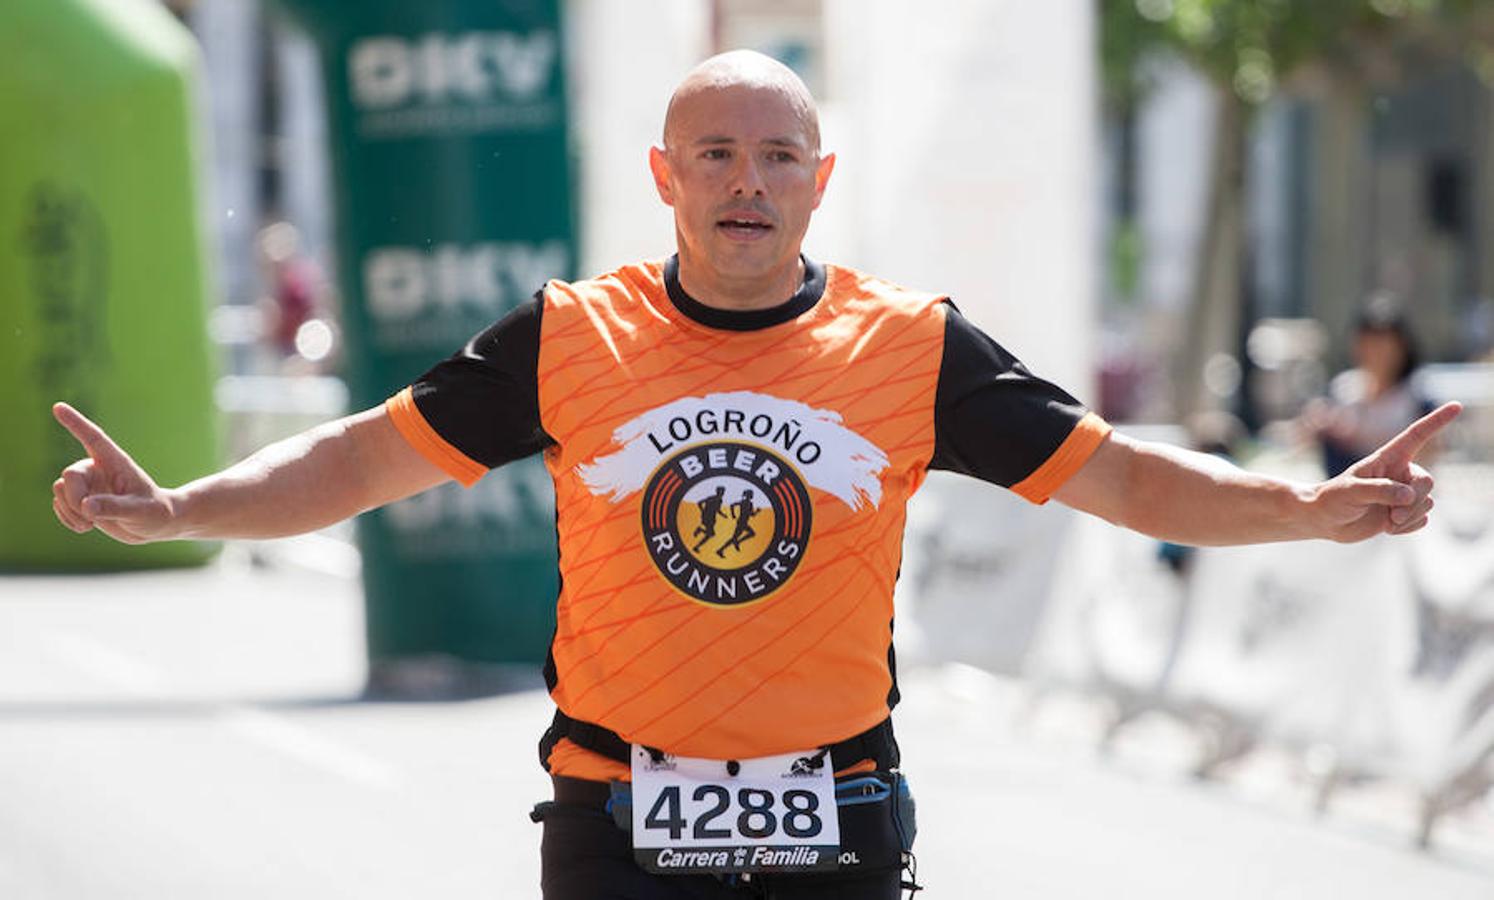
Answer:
(741, 294)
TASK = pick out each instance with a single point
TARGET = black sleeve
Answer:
(993, 419)
(484, 399)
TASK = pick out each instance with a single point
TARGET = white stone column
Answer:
(624, 63)
(970, 156)
(967, 134)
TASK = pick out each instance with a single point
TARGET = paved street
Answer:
(200, 734)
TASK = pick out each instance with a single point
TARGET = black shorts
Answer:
(584, 855)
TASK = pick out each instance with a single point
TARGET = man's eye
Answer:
(782, 156)
(716, 153)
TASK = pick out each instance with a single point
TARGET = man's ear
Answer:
(822, 177)
(658, 163)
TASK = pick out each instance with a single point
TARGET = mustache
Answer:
(753, 208)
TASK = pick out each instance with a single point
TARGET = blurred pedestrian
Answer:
(1371, 402)
(294, 283)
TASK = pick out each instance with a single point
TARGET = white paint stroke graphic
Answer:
(848, 465)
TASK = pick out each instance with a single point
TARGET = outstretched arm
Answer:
(1193, 498)
(300, 484)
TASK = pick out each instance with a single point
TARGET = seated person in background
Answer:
(1374, 400)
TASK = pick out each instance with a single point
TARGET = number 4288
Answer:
(757, 814)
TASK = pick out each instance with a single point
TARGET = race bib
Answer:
(775, 814)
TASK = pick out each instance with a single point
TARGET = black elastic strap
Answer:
(599, 740)
(876, 743)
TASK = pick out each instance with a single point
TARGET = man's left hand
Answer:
(1386, 492)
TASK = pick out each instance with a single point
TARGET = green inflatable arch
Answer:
(103, 276)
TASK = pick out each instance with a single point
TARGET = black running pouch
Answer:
(878, 820)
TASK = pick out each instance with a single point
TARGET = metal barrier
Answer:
(1372, 660)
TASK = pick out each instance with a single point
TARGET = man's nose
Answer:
(747, 179)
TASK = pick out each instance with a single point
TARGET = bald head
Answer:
(736, 71)
(742, 168)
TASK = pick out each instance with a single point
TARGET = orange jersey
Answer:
(730, 503)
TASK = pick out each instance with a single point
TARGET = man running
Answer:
(683, 700)
(743, 511)
(710, 511)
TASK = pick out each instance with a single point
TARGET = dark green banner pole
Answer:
(448, 133)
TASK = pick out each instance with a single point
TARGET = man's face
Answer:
(743, 174)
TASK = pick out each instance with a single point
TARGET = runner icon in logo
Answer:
(742, 511)
(685, 504)
(710, 510)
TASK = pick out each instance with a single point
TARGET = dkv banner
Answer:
(448, 137)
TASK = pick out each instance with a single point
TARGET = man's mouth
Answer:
(744, 226)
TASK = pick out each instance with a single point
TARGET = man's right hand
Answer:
(108, 490)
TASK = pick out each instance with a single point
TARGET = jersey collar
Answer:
(804, 299)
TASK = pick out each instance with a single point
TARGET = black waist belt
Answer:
(877, 743)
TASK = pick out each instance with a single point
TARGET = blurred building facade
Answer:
(1353, 190)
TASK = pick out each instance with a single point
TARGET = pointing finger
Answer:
(1404, 446)
(92, 437)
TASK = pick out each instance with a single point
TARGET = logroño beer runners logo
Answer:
(726, 522)
(726, 512)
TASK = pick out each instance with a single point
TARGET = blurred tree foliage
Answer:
(1250, 47)
(1250, 51)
